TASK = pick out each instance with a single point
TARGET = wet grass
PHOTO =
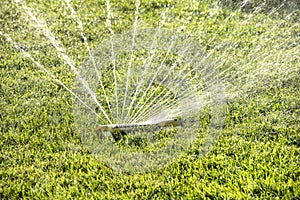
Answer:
(256, 156)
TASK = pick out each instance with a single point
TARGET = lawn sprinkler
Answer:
(119, 130)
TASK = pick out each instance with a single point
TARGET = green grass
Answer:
(256, 156)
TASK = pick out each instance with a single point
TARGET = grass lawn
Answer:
(257, 154)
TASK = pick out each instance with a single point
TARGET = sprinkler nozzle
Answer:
(116, 129)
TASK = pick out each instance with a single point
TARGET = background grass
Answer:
(256, 156)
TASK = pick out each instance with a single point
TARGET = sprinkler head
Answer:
(121, 129)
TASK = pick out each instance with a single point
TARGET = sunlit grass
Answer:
(257, 154)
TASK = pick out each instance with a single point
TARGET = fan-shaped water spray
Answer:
(161, 96)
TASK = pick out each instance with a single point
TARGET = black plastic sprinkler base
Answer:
(119, 130)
